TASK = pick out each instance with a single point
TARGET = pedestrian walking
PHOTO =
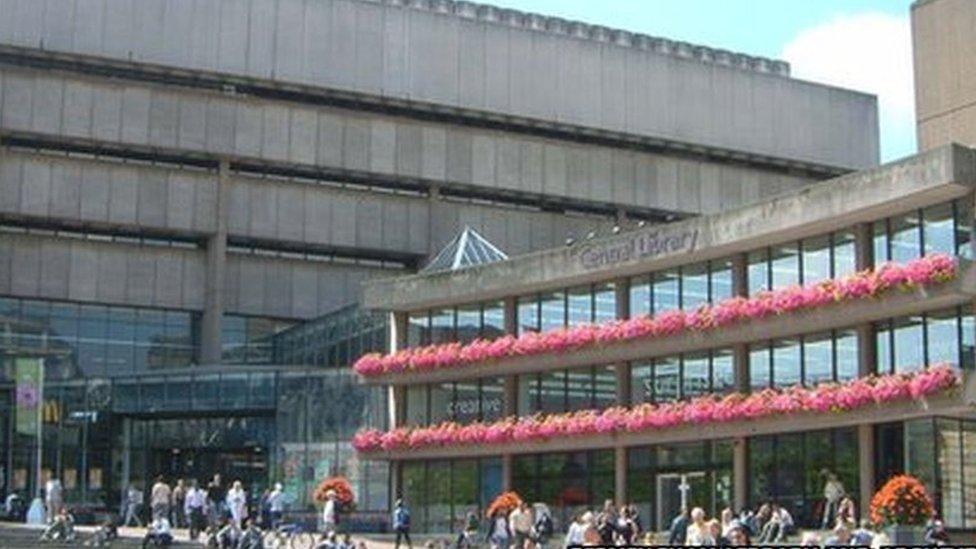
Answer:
(53, 497)
(194, 508)
(178, 512)
(499, 533)
(833, 493)
(574, 534)
(520, 523)
(276, 505)
(215, 500)
(679, 528)
(133, 506)
(401, 524)
(159, 498)
(329, 513)
(237, 503)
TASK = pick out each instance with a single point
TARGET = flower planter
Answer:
(905, 535)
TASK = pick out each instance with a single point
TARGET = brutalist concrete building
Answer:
(192, 192)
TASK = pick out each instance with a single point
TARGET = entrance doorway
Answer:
(680, 490)
(249, 465)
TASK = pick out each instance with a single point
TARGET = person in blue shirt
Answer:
(401, 524)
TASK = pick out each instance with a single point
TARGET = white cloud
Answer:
(870, 52)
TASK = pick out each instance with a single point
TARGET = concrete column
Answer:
(621, 290)
(740, 473)
(213, 292)
(506, 472)
(867, 351)
(620, 475)
(863, 246)
(398, 322)
(396, 482)
(740, 275)
(622, 370)
(397, 401)
(740, 362)
(866, 463)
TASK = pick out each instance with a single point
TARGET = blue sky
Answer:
(859, 44)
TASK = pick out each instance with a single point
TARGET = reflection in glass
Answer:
(553, 311)
(640, 296)
(816, 259)
(665, 291)
(579, 306)
(939, 232)
(785, 266)
(528, 314)
(694, 285)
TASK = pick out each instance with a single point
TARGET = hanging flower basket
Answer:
(345, 499)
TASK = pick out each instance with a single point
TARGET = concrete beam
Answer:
(838, 315)
(947, 404)
(921, 180)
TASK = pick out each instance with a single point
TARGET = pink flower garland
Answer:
(919, 272)
(826, 397)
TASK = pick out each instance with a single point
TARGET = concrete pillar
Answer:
(397, 402)
(740, 473)
(396, 482)
(622, 370)
(398, 322)
(213, 291)
(740, 352)
(863, 246)
(866, 464)
(740, 275)
(620, 475)
(740, 362)
(621, 290)
(506, 472)
(867, 350)
(510, 396)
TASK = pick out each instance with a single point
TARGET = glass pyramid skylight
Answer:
(466, 249)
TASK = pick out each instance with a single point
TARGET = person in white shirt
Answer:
(329, 513)
(53, 497)
(159, 498)
(574, 535)
(194, 506)
(237, 503)
(160, 533)
(833, 492)
(276, 504)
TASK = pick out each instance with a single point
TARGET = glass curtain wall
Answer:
(905, 344)
(685, 287)
(808, 359)
(589, 387)
(788, 469)
(567, 482)
(656, 474)
(440, 493)
(462, 401)
(464, 323)
(941, 228)
(683, 376)
(571, 307)
(803, 262)
(334, 340)
(250, 339)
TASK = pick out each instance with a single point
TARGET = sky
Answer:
(858, 44)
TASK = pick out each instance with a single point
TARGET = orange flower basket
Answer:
(505, 503)
(902, 501)
(342, 489)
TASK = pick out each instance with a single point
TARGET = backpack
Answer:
(403, 518)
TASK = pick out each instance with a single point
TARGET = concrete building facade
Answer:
(186, 186)
(945, 80)
(515, 418)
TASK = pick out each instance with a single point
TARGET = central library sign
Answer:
(643, 245)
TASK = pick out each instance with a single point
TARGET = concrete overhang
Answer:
(895, 303)
(955, 403)
(938, 175)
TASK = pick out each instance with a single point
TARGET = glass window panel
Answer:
(942, 329)
(667, 379)
(950, 471)
(816, 259)
(492, 398)
(442, 326)
(881, 242)
(640, 296)
(665, 290)
(604, 387)
(605, 302)
(528, 401)
(696, 375)
(694, 285)
(553, 311)
(883, 351)
(418, 332)
(786, 362)
(818, 358)
(441, 402)
(969, 474)
(848, 364)
(758, 271)
(905, 237)
(464, 487)
(909, 347)
(552, 392)
(920, 457)
(439, 497)
(416, 407)
(760, 359)
(785, 266)
(528, 314)
(964, 228)
(968, 336)
(579, 388)
(415, 491)
(466, 407)
(641, 383)
(468, 323)
(845, 260)
(938, 229)
(580, 305)
(493, 320)
(721, 280)
(723, 371)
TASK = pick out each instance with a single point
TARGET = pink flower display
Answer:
(709, 409)
(931, 269)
